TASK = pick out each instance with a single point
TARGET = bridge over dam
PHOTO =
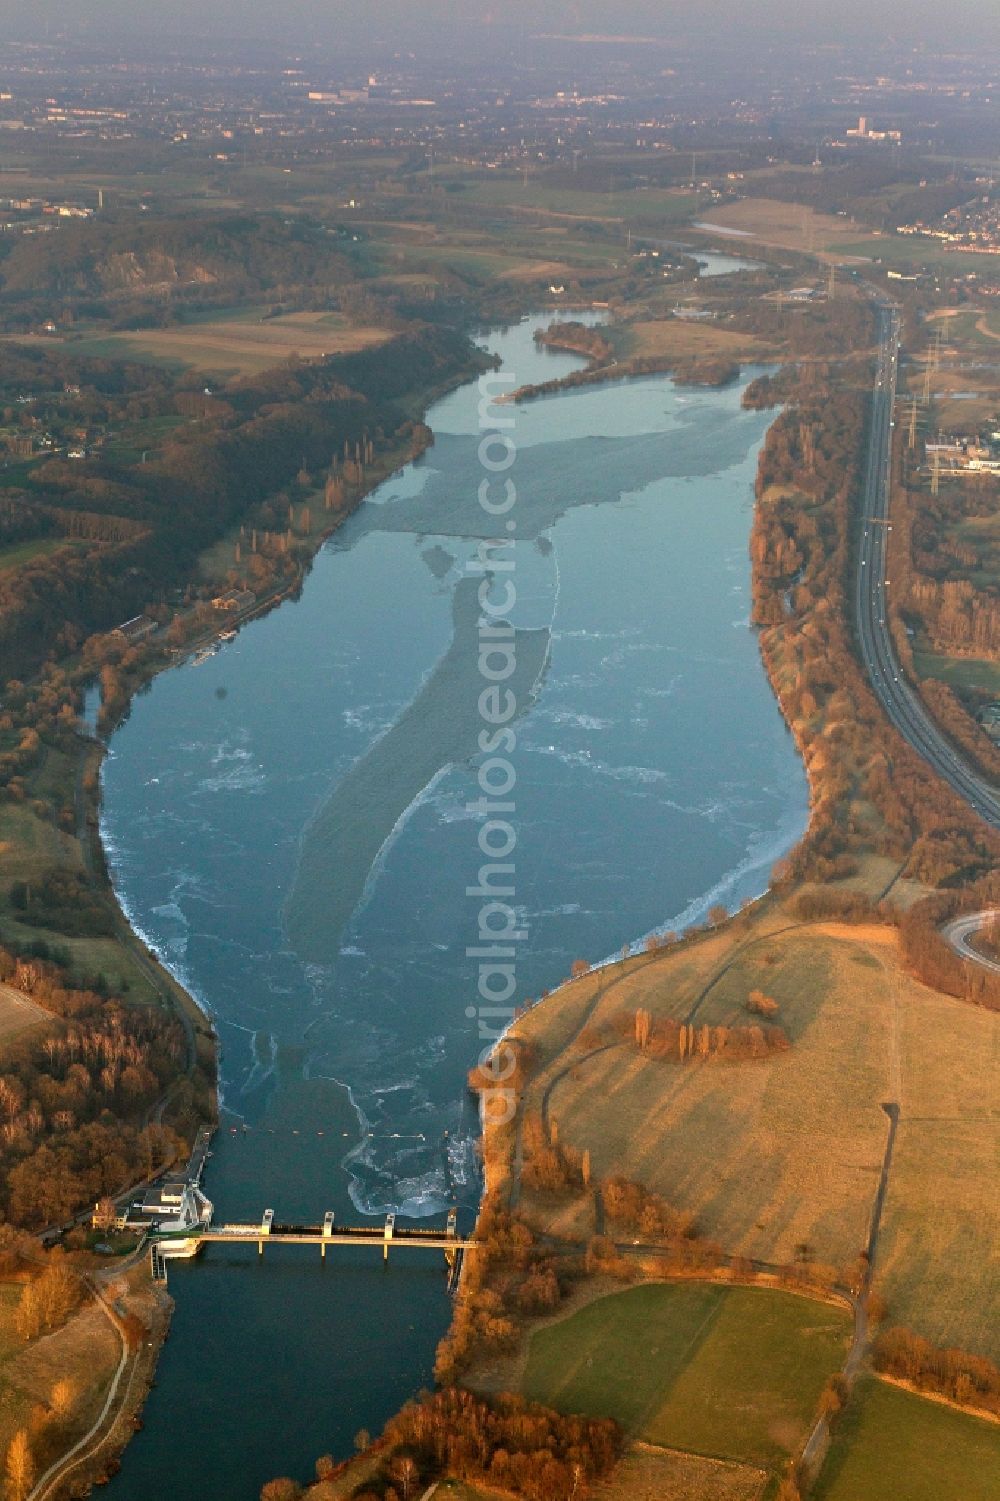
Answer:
(167, 1244)
(175, 1219)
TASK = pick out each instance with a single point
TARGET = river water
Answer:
(292, 825)
(713, 263)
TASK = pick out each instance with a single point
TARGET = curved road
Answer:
(899, 700)
(961, 931)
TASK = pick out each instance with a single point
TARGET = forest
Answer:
(145, 272)
(149, 521)
(833, 326)
(509, 1445)
(969, 1380)
(801, 550)
(877, 190)
(75, 1105)
(164, 468)
(948, 600)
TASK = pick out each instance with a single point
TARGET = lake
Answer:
(294, 825)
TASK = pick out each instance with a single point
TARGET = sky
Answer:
(356, 19)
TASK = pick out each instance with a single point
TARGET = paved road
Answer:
(899, 700)
(961, 931)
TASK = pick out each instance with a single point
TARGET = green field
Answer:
(911, 252)
(960, 328)
(787, 1151)
(28, 845)
(959, 672)
(651, 205)
(232, 342)
(10, 1296)
(14, 1402)
(128, 446)
(733, 1372)
(20, 553)
(518, 253)
(891, 1445)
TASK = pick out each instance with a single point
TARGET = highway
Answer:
(899, 700)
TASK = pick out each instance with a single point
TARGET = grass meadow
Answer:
(787, 1150)
(891, 1445)
(241, 344)
(729, 1372)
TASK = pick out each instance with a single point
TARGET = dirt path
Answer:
(815, 1447)
(18, 1012)
(556, 1078)
(733, 960)
(92, 1440)
(982, 327)
(517, 1157)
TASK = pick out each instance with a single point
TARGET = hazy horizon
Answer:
(912, 21)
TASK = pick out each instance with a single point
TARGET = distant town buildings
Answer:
(863, 132)
(972, 227)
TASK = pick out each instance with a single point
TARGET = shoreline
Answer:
(123, 1415)
(197, 1008)
(96, 1456)
(503, 1165)
(545, 1051)
(95, 746)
